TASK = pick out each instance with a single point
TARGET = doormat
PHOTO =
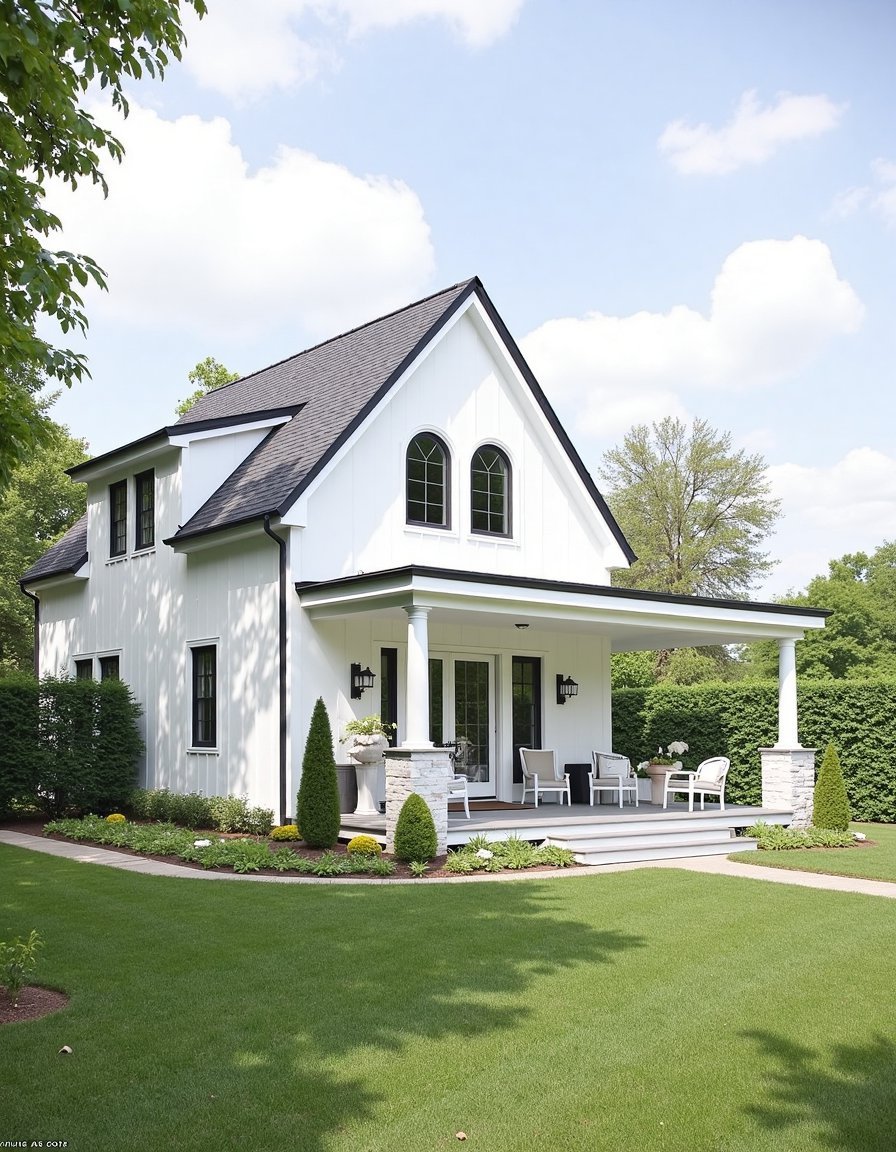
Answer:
(489, 806)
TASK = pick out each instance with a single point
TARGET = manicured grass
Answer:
(875, 861)
(645, 1010)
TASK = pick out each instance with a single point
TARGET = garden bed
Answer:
(233, 852)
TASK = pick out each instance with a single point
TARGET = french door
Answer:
(462, 709)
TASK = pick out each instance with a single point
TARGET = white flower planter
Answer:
(367, 752)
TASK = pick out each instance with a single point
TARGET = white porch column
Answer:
(417, 691)
(787, 713)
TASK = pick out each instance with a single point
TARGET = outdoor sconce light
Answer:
(566, 688)
(362, 679)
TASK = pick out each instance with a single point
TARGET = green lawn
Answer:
(875, 861)
(644, 1010)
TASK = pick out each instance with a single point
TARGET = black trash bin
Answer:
(578, 782)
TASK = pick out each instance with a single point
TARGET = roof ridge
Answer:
(347, 332)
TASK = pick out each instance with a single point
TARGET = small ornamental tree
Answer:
(318, 800)
(831, 805)
(415, 832)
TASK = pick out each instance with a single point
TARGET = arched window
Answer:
(490, 492)
(428, 481)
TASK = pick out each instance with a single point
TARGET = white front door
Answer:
(462, 710)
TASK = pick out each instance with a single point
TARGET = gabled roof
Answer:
(66, 555)
(330, 388)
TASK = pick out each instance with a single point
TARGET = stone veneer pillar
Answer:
(788, 781)
(425, 771)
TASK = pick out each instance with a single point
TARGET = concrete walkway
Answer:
(717, 865)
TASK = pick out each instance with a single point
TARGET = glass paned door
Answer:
(465, 698)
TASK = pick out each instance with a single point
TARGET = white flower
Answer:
(678, 747)
(201, 843)
(484, 854)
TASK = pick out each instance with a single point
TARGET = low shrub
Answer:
(483, 855)
(116, 818)
(18, 959)
(286, 832)
(415, 830)
(777, 838)
(364, 846)
(190, 810)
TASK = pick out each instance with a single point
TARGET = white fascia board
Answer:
(710, 623)
(125, 462)
(42, 584)
(185, 438)
(223, 537)
(297, 514)
(616, 558)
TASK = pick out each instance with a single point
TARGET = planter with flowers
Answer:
(657, 767)
(370, 738)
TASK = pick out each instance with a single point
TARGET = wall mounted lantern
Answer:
(362, 679)
(566, 688)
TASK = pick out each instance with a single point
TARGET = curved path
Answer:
(717, 865)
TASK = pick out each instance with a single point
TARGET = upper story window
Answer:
(109, 668)
(490, 492)
(118, 515)
(84, 668)
(145, 504)
(428, 480)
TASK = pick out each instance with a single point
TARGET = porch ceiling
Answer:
(632, 620)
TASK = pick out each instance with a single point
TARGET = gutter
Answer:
(281, 544)
(31, 596)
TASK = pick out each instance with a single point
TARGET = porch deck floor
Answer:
(552, 818)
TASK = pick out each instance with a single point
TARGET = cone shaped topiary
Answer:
(831, 806)
(318, 799)
(415, 832)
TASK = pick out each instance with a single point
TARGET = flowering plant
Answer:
(676, 748)
(367, 726)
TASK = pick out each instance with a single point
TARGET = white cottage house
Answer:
(400, 499)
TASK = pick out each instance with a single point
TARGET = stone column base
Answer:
(425, 771)
(788, 781)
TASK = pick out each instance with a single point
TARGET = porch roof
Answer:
(632, 619)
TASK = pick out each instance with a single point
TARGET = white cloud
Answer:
(244, 50)
(879, 197)
(847, 507)
(753, 134)
(774, 306)
(191, 238)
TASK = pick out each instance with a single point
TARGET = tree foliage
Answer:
(206, 376)
(695, 511)
(50, 54)
(37, 506)
(859, 638)
(317, 806)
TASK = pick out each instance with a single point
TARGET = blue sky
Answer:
(679, 208)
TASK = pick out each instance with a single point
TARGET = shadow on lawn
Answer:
(846, 1092)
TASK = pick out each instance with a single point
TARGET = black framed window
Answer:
(118, 516)
(145, 501)
(205, 696)
(84, 669)
(109, 668)
(490, 492)
(428, 477)
(389, 691)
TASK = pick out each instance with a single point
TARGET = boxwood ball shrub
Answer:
(363, 846)
(286, 832)
(415, 832)
(317, 805)
(831, 806)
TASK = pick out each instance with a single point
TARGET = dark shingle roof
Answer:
(66, 555)
(336, 383)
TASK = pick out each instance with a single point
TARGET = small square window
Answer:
(84, 669)
(109, 668)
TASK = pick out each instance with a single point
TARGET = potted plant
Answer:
(659, 764)
(370, 738)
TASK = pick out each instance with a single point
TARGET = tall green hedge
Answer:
(736, 720)
(67, 746)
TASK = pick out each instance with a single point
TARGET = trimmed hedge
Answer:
(736, 720)
(317, 804)
(830, 809)
(415, 831)
(68, 745)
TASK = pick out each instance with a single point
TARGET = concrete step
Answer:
(616, 837)
(661, 849)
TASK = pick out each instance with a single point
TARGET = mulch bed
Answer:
(34, 1003)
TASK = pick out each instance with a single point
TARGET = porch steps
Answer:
(613, 846)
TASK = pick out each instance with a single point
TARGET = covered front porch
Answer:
(453, 650)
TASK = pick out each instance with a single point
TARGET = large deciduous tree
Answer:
(695, 511)
(208, 375)
(50, 54)
(38, 504)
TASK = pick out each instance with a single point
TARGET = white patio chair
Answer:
(612, 773)
(708, 780)
(540, 774)
(457, 790)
